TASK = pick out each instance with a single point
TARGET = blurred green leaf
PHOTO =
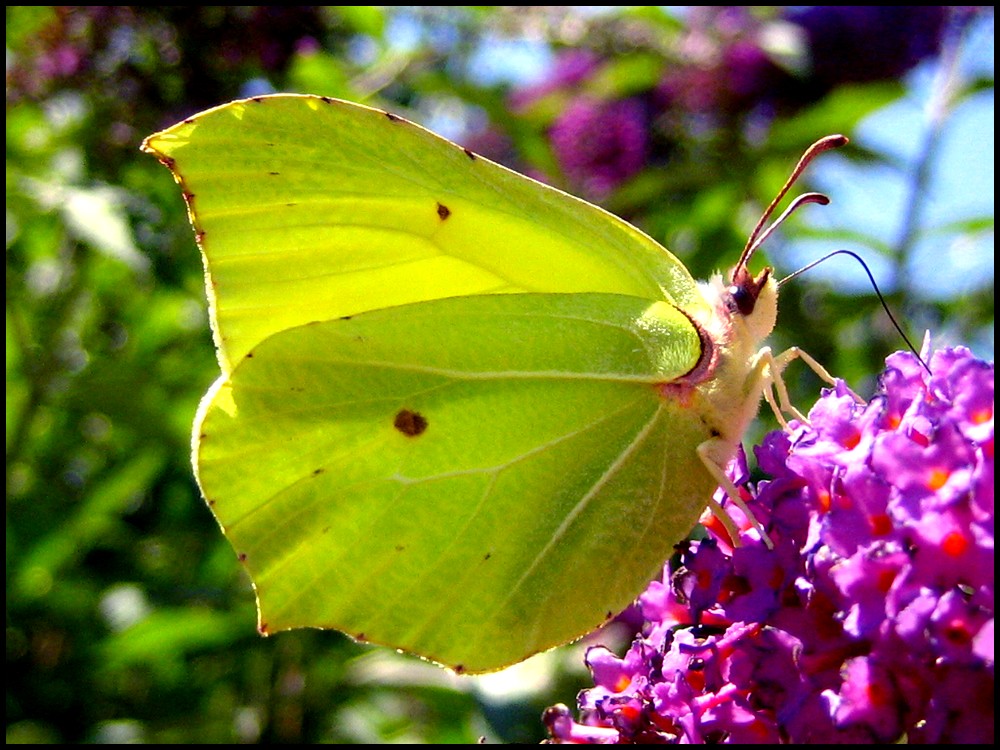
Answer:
(316, 72)
(366, 19)
(169, 635)
(94, 520)
(626, 76)
(838, 112)
(25, 22)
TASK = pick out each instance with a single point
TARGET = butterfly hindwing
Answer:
(435, 476)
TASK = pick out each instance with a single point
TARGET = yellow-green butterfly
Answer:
(461, 413)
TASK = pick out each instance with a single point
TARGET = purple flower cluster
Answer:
(884, 41)
(723, 72)
(724, 68)
(600, 144)
(870, 620)
(110, 49)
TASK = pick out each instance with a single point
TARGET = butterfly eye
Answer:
(743, 300)
(745, 290)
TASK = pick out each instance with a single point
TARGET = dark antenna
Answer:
(797, 203)
(871, 278)
(759, 234)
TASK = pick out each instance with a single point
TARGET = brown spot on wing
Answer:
(443, 211)
(410, 423)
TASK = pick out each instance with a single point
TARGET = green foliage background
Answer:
(128, 617)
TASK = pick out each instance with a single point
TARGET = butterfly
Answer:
(460, 413)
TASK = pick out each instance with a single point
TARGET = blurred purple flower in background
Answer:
(723, 66)
(870, 620)
(600, 144)
(854, 43)
(733, 69)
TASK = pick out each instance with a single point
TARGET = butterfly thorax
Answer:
(726, 384)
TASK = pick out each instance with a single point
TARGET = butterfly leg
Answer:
(715, 454)
(765, 378)
(772, 369)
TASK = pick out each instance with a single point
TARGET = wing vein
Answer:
(584, 501)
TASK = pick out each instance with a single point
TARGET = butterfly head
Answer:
(752, 301)
(743, 310)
